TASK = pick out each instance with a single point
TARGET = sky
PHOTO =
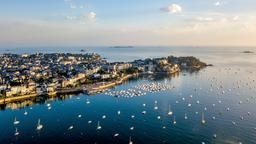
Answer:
(43, 23)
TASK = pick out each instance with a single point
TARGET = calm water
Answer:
(231, 83)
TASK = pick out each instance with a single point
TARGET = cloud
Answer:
(174, 8)
(204, 19)
(92, 16)
(218, 3)
(71, 17)
(235, 18)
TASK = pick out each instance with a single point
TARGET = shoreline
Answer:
(87, 89)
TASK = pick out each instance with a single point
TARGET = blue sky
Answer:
(130, 22)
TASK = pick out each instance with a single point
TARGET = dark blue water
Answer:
(233, 72)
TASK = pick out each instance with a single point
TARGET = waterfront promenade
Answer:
(88, 89)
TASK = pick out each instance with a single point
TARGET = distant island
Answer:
(122, 47)
(26, 76)
(248, 51)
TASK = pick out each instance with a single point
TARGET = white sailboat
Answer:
(186, 117)
(130, 141)
(87, 101)
(98, 126)
(71, 127)
(117, 134)
(16, 121)
(174, 121)
(16, 132)
(25, 113)
(169, 112)
(155, 107)
(39, 125)
(203, 120)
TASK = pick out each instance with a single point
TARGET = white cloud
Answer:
(174, 8)
(205, 19)
(71, 17)
(235, 18)
(92, 16)
(218, 3)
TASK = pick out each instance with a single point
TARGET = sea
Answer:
(223, 95)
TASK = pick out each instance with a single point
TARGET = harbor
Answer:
(87, 89)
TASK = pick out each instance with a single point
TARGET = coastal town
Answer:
(31, 75)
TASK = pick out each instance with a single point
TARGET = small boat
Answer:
(70, 128)
(130, 141)
(132, 128)
(16, 121)
(104, 116)
(87, 101)
(118, 112)
(39, 125)
(98, 126)
(174, 121)
(117, 134)
(89, 122)
(79, 116)
(144, 112)
(16, 132)
(186, 117)
(203, 120)
(155, 107)
(25, 113)
(169, 112)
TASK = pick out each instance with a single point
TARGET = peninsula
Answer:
(25, 76)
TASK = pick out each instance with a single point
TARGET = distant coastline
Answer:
(122, 47)
(248, 52)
